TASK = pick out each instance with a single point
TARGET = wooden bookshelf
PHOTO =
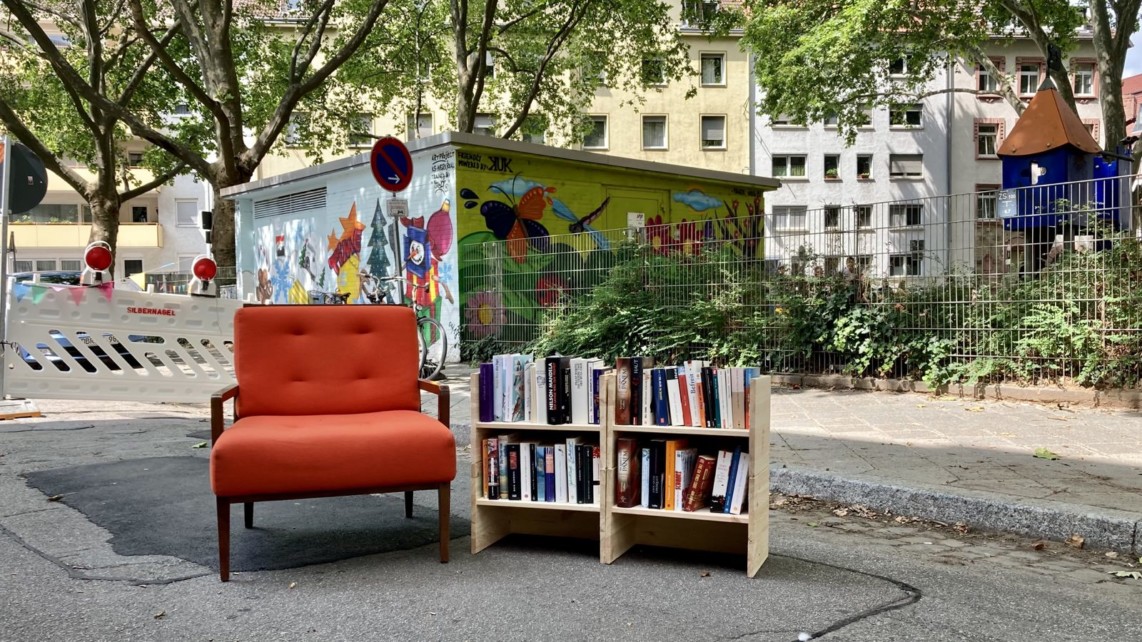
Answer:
(619, 529)
(494, 519)
(746, 534)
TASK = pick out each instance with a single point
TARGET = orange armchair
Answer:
(327, 403)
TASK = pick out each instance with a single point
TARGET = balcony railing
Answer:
(32, 235)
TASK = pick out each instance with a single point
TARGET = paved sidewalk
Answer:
(952, 460)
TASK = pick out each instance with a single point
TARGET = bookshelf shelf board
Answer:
(682, 430)
(696, 515)
(508, 426)
(516, 503)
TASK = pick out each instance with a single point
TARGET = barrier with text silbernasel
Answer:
(84, 342)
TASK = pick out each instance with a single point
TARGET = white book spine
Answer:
(722, 474)
(540, 398)
(674, 396)
(741, 475)
(561, 473)
(529, 392)
(644, 474)
(579, 390)
(647, 399)
(724, 398)
(498, 387)
(526, 478)
(572, 489)
(691, 391)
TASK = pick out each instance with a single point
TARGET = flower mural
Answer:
(549, 289)
(484, 314)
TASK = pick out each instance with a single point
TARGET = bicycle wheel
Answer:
(433, 347)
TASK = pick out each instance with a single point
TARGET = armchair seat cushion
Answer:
(291, 455)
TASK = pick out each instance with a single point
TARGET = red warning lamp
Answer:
(98, 256)
(98, 259)
(204, 268)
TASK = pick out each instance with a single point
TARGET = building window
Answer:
(789, 166)
(186, 213)
(69, 213)
(45, 265)
(832, 265)
(832, 167)
(654, 132)
(832, 217)
(898, 67)
(484, 125)
(489, 64)
(138, 213)
(537, 138)
(653, 72)
(713, 132)
(713, 69)
(1029, 72)
(295, 128)
(782, 120)
(1082, 74)
(905, 165)
(789, 217)
(1091, 125)
(597, 137)
(70, 265)
(23, 265)
(863, 215)
(361, 130)
(905, 215)
(182, 109)
(830, 120)
(986, 202)
(988, 136)
(418, 127)
(135, 159)
(864, 166)
(910, 264)
(132, 266)
(185, 262)
(986, 82)
(906, 116)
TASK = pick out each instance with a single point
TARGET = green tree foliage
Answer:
(59, 126)
(819, 57)
(535, 65)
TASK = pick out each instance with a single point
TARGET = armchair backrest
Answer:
(325, 359)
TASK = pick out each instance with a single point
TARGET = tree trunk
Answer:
(222, 234)
(104, 220)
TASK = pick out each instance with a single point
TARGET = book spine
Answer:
(737, 391)
(596, 475)
(708, 396)
(498, 387)
(572, 467)
(515, 476)
(565, 390)
(540, 394)
(561, 473)
(579, 391)
(741, 486)
(529, 391)
(517, 389)
(695, 495)
(551, 367)
(526, 477)
(626, 473)
(623, 391)
(721, 479)
(657, 457)
(726, 411)
(549, 472)
(674, 396)
(731, 479)
(487, 388)
(580, 491)
(661, 401)
(538, 482)
(636, 391)
(503, 460)
(647, 400)
(491, 468)
(644, 478)
(684, 395)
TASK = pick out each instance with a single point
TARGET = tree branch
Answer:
(316, 26)
(161, 179)
(13, 124)
(137, 78)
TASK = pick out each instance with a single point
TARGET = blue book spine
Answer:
(540, 468)
(487, 388)
(549, 473)
(661, 401)
(730, 479)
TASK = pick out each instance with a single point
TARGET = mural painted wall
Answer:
(362, 233)
(550, 212)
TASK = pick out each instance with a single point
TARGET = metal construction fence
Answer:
(1026, 285)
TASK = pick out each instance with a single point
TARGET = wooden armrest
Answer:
(217, 414)
(443, 406)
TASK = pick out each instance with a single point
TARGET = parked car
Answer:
(71, 277)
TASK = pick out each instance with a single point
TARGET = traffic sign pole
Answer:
(5, 193)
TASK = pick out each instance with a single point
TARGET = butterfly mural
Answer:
(516, 221)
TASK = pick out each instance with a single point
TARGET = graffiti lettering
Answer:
(470, 161)
(501, 163)
(442, 165)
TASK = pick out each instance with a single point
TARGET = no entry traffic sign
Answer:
(391, 164)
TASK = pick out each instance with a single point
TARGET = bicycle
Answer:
(430, 334)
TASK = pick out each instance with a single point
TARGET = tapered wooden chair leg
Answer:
(248, 514)
(444, 494)
(223, 539)
(408, 503)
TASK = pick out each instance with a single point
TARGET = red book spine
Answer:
(695, 496)
(684, 396)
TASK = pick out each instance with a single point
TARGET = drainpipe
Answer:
(752, 117)
(950, 101)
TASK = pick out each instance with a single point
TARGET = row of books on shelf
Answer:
(565, 472)
(670, 475)
(553, 390)
(693, 394)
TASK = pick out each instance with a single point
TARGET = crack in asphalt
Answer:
(913, 596)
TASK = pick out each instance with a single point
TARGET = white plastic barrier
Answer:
(75, 342)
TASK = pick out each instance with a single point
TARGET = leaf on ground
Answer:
(840, 512)
(1076, 541)
(1039, 545)
(1132, 574)
(974, 409)
(201, 444)
(1112, 555)
(812, 524)
(160, 615)
(1043, 453)
(55, 498)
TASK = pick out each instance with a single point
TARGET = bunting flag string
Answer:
(107, 289)
(77, 295)
(38, 293)
(20, 290)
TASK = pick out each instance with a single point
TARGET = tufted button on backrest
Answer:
(325, 359)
